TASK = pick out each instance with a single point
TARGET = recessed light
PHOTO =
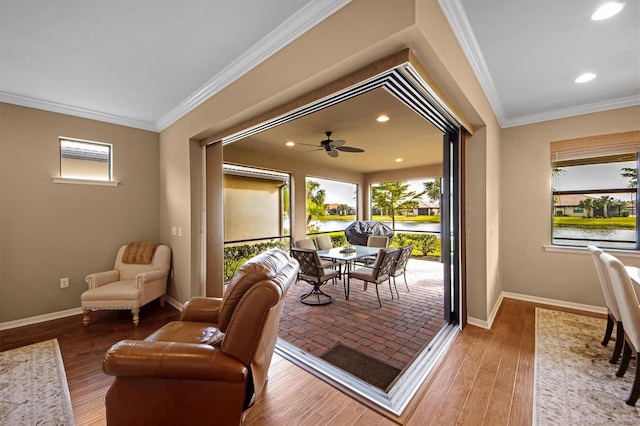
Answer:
(398, 160)
(382, 118)
(588, 76)
(607, 10)
(290, 143)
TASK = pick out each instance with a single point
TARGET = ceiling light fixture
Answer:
(588, 76)
(398, 160)
(290, 143)
(606, 11)
(382, 118)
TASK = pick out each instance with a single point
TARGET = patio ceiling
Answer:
(406, 135)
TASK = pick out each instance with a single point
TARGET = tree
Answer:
(315, 200)
(632, 174)
(433, 190)
(394, 197)
(343, 209)
(587, 205)
(605, 203)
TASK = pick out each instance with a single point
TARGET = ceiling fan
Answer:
(332, 147)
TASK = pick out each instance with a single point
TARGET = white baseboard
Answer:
(63, 314)
(555, 302)
(173, 302)
(535, 299)
(39, 318)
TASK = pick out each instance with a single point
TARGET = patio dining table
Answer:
(343, 254)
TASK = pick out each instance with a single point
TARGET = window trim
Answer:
(79, 180)
(593, 158)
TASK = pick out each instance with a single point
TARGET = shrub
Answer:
(236, 256)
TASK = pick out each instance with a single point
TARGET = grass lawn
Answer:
(602, 222)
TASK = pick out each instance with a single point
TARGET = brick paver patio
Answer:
(394, 334)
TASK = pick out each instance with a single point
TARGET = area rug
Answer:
(33, 386)
(361, 365)
(574, 382)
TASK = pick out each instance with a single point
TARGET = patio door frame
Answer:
(401, 75)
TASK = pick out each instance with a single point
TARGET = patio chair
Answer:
(315, 273)
(323, 242)
(379, 272)
(374, 241)
(308, 243)
(400, 267)
(613, 312)
(629, 307)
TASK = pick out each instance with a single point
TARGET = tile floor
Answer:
(394, 334)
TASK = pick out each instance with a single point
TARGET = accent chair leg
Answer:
(626, 357)
(404, 275)
(136, 317)
(85, 316)
(607, 333)
(617, 349)
(635, 389)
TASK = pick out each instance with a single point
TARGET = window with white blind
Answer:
(595, 191)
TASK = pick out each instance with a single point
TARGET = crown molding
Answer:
(26, 101)
(454, 12)
(625, 102)
(297, 24)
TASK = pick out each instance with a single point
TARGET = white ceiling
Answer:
(527, 54)
(146, 63)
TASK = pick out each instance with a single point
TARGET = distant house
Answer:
(334, 209)
(569, 205)
(425, 209)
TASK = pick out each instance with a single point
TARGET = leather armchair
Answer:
(212, 364)
(132, 283)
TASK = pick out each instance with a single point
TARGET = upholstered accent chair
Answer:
(212, 364)
(613, 312)
(139, 276)
(379, 272)
(630, 312)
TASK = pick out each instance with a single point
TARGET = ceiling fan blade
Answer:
(349, 149)
(332, 153)
(337, 143)
(308, 144)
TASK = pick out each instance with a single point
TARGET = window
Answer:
(595, 192)
(331, 205)
(85, 160)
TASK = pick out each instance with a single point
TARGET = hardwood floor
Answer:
(486, 378)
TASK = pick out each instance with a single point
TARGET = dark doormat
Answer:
(364, 367)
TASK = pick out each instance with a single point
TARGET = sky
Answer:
(596, 176)
(344, 193)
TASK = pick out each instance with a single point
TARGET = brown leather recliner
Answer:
(207, 368)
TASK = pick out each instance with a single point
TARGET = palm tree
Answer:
(433, 190)
(343, 209)
(587, 205)
(632, 174)
(315, 200)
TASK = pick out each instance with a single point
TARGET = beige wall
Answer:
(360, 33)
(526, 175)
(49, 231)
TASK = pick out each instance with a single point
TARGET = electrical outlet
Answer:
(64, 282)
